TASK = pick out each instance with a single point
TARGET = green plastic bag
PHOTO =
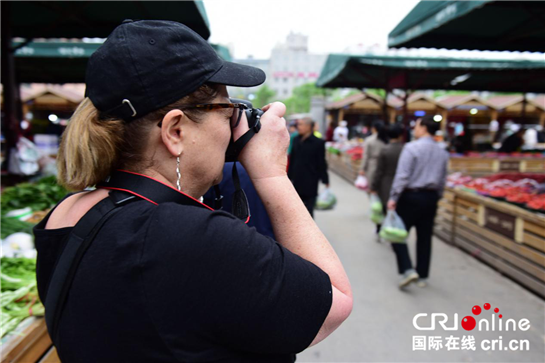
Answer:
(377, 216)
(326, 200)
(393, 229)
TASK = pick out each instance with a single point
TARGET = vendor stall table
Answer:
(477, 167)
(29, 343)
(506, 237)
(344, 165)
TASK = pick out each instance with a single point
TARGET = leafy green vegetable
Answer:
(19, 295)
(12, 225)
(38, 196)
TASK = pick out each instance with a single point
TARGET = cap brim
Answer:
(239, 75)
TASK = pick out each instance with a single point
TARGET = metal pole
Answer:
(11, 91)
(405, 116)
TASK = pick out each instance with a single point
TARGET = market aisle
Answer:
(380, 328)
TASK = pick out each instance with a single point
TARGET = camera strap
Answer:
(125, 187)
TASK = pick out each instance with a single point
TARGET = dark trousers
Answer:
(309, 202)
(417, 209)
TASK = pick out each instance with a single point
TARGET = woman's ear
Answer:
(171, 131)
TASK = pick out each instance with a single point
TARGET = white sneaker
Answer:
(422, 282)
(409, 276)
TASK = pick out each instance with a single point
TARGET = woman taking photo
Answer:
(163, 277)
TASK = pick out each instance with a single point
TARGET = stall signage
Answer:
(500, 222)
(509, 165)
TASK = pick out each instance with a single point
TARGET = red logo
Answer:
(469, 323)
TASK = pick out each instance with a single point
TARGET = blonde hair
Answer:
(93, 145)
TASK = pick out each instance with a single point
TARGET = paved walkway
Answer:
(380, 328)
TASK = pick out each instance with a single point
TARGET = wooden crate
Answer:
(477, 167)
(445, 216)
(504, 236)
(29, 344)
(344, 166)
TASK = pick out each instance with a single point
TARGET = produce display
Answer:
(23, 206)
(38, 196)
(354, 148)
(526, 190)
(19, 299)
(498, 155)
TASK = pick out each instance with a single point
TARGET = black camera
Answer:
(253, 115)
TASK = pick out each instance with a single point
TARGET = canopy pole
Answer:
(11, 91)
(523, 114)
(405, 116)
(385, 106)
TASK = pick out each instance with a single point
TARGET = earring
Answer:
(178, 171)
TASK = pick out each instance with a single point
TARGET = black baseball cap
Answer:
(147, 64)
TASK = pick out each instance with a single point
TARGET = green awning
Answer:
(62, 62)
(80, 19)
(222, 51)
(483, 25)
(370, 71)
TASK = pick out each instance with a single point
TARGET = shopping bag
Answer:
(377, 216)
(23, 159)
(393, 229)
(326, 200)
(361, 183)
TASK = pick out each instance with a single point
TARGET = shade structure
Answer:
(79, 19)
(390, 72)
(62, 62)
(482, 25)
(76, 19)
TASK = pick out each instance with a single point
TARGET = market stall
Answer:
(505, 236)
(499, 219)
(345, 159)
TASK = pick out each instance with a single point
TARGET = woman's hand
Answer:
(265, 155)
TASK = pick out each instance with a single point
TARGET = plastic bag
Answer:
(377, 216)
(326, 200)
(24, 159)
(361, 182)
(393, 229)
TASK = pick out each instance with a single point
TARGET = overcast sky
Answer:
(255, 26)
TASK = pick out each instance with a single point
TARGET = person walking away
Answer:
(513, 142)
(386, 167)
(307, 163)
(340, 134)
(418, 185)
(330, 130)
(371, 150)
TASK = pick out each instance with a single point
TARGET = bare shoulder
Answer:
(70, 211)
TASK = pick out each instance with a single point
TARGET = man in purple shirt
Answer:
(418, 185)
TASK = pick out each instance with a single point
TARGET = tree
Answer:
(299, 102)
(263, 96)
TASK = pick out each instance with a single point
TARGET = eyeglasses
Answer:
(214, 107)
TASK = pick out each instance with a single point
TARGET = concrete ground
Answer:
(380, 328)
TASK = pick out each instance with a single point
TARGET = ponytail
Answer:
(89, 148)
